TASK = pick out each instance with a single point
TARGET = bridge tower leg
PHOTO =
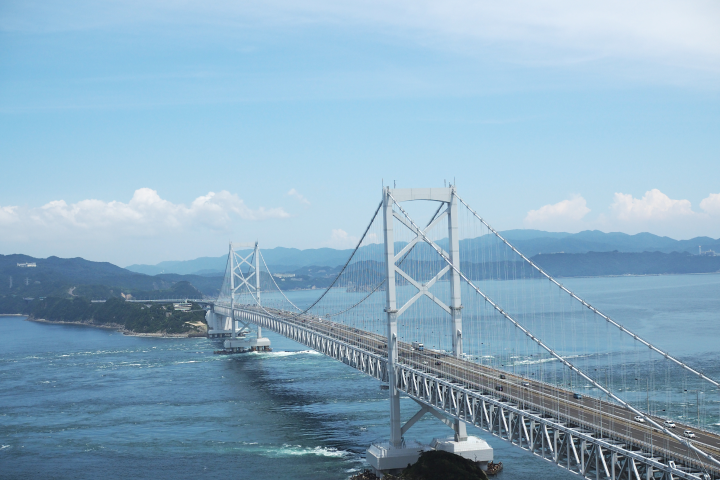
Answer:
(233, 323)
(391, 311)
(455, 301)
(257, 282)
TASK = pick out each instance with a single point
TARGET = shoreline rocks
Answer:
(119, 328)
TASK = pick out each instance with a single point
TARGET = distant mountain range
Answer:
(281, 258)
(55, 276)
(590, 253)
(530, 242)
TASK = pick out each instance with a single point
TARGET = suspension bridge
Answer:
(438, 306)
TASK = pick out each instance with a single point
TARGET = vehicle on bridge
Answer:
(418, 346)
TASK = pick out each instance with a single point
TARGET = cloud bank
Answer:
(653, 206)
(654, 212)
(340, 239)
(559, 214)
(145, 215)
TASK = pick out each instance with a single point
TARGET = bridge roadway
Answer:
(603, 416)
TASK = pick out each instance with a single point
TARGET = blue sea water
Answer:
(81, 402)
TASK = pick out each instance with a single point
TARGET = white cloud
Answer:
(371, 238)
(146, 214)
(657, 213)
(561, 214)
(340, 239)
(711, 204)
(8, 215)
(654, 212)
(300, 198)
(670, 32)
(653, 206)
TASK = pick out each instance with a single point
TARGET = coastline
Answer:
(12, 315)
(117, 327)
(638, 275)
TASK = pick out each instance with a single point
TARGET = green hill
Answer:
(69, 277)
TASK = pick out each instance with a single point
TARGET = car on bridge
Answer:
(689, 434)
(639, 418)
(669, 424)
(525, 384)
(577, 395)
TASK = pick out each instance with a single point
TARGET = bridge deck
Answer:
(605, 418)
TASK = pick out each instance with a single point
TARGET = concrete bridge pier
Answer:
(385, 457)
(240, 342)
(247, 344)
(219, 326)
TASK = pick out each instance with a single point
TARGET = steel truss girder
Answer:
(574, 448)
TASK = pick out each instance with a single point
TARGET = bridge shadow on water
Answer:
(326, 406)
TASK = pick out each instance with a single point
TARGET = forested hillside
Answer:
(71, 277)
(116, 312)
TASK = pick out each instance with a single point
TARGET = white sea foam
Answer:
(288, 354)
(548, 359)
(288, 450)
(3, 447)
(534, 362)
(293, 450)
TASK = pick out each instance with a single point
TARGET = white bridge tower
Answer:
(231, 326)
(397, 453)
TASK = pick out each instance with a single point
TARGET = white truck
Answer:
(418, 346)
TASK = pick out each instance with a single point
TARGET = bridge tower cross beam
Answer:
(448, 197)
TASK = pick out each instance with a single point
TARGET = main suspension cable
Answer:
(346, 263)
(586, 304)
(276, 285)
(545, 347)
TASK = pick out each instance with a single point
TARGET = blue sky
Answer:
(137, 132)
